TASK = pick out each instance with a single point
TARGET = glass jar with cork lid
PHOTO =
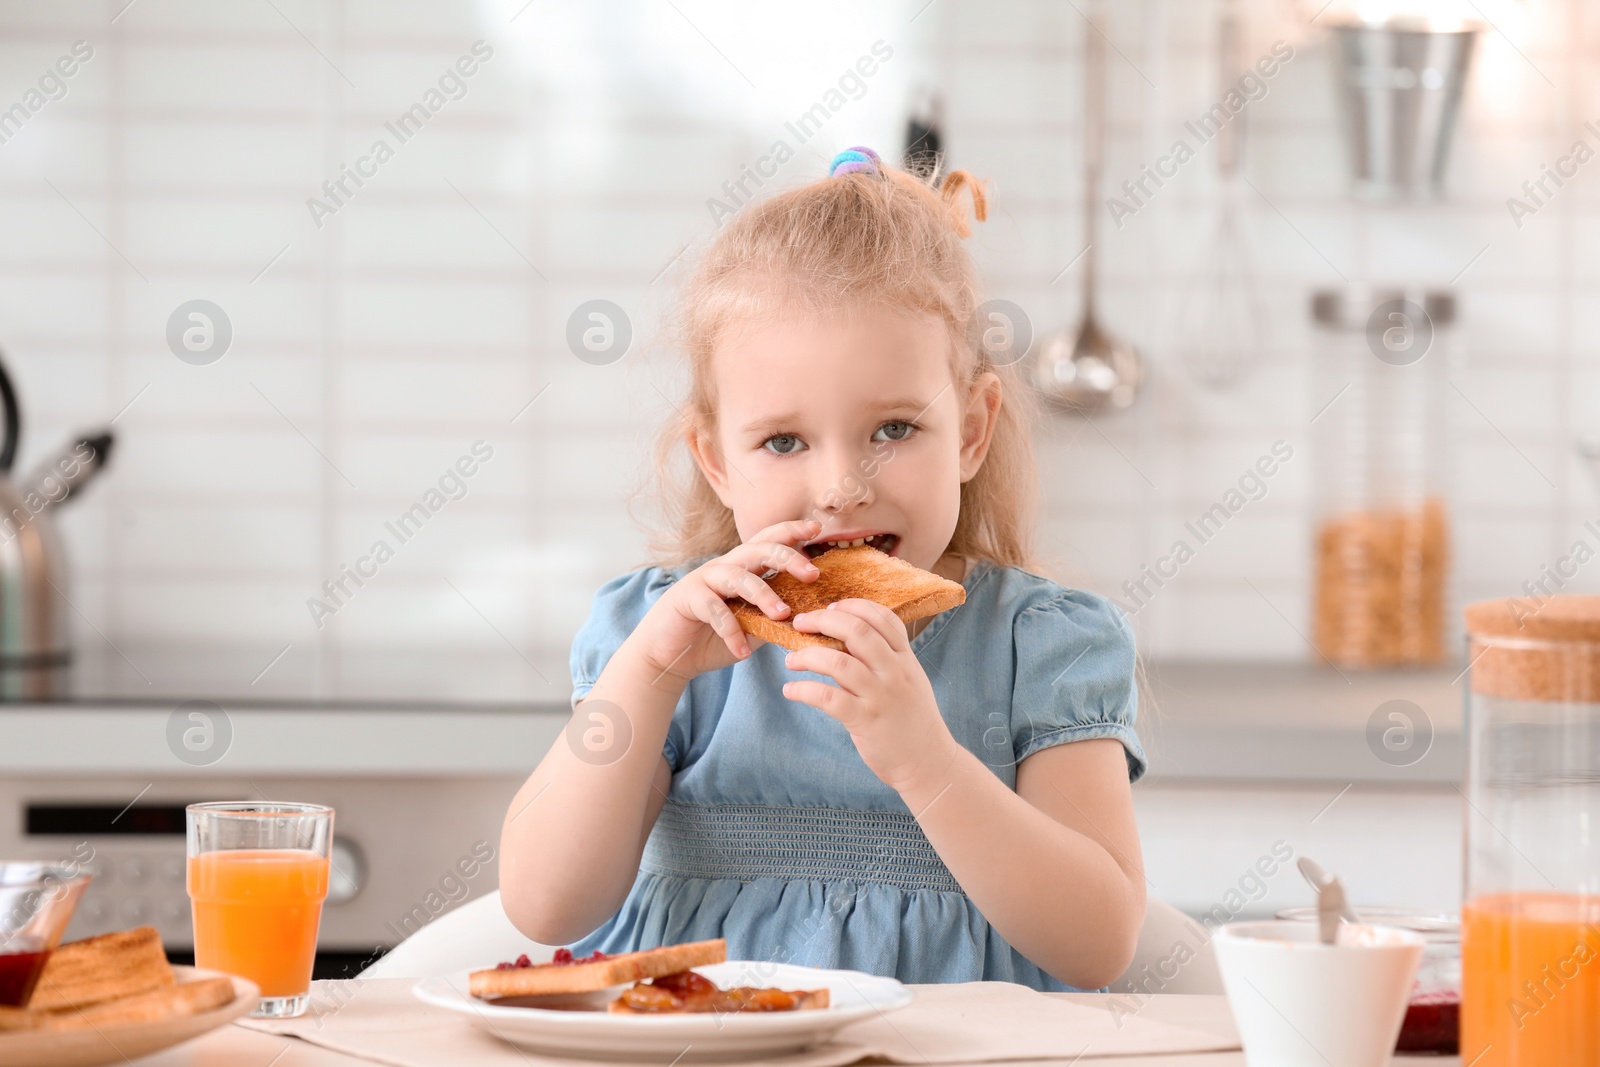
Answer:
(1380, 432)
(1530, 921)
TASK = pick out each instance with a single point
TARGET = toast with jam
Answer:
(565, 974)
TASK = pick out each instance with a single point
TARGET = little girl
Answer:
(943, 801)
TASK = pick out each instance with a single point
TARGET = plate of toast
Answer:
(109, 999)
(685, 1002)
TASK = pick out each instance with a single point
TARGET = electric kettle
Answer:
(35, 644)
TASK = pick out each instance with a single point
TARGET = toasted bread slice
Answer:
(168, 1002)
(859, 571)
(171, 1002)
(586, 977)
(809, 1000)
(107, 967)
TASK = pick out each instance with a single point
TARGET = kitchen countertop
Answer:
(283, 739)
(1201, 722)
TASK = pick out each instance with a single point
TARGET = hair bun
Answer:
(857, 160)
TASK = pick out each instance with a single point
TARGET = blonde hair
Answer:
(886, 240)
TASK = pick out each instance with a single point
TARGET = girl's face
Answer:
(854, 421)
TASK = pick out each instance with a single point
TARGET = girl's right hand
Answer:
(691, 629)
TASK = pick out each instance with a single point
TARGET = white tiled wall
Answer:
(427, 313)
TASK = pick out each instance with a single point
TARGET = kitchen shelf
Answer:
(1265, 722)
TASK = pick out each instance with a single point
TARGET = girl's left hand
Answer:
(883, 696)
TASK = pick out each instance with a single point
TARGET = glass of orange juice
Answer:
(258, 874)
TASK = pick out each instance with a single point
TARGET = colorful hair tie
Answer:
(853, 161)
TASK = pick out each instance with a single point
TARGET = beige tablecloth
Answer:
(381, 1021)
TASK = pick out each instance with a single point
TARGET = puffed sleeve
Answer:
(1074, 676)
(618, 607)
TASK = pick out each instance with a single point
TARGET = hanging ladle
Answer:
(1093, 369)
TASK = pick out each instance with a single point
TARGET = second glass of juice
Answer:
(258, 873)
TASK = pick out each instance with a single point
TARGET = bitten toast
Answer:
(588, 976)
(858, 571)
(107, 967)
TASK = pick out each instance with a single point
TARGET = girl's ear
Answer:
(708, 457)
(978, 420)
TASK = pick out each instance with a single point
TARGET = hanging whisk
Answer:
(1221, 325)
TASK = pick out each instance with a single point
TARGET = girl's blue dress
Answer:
(778, 838)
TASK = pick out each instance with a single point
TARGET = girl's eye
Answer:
(782, 444)
(894, 431)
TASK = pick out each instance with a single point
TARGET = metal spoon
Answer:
(1332, 904)
(1085, 373)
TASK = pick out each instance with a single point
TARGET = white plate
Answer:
(118, 1044)
(853, 996)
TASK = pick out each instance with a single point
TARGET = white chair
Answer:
(478, 933)
(1175, 955)
(475, 935)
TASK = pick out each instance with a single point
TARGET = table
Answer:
(234, 1046)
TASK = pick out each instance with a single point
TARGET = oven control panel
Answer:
(147, 886)
(135, 888)
(404, 850)
(137, 859)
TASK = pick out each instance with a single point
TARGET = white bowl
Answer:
(1300, 1003)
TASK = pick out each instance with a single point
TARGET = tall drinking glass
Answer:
(258, 874)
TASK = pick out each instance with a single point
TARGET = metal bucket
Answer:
(1399, 88)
